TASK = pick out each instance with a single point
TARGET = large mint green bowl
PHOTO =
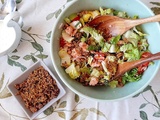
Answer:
(132, 7)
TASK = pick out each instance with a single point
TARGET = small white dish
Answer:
(23, 77)
(10, 32)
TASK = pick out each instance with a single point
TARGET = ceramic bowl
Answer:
(104, 93)
(23, 77)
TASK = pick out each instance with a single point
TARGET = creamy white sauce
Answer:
(7, 37)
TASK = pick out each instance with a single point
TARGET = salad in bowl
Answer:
(92, 58)
(86, 60)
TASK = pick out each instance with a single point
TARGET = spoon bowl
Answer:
(113, 25)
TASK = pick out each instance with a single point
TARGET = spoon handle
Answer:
(136, 22)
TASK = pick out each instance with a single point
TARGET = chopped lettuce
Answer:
(122, 14)
(108, 74)
(85, 69)
(111, 58)
(106, 47)
(130, 52)
(72, 71)
(90, 60)
(134, 54)
(95, 73)
(113, 48)
(131, 76)
(65, 57)
(95, 13)
(113, 84)
(126, 47)
(144, 45)
(133, 41)
(114, 40)
(94, 33)
(93, 47)
(107, 11)
(139, 32)
(131, 34)
(67, 37)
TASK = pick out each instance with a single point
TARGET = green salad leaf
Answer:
(72, 71)
(131, 76)
(94, 33)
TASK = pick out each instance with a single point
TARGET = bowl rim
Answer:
(79, 93)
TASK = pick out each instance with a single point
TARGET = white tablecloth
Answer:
(39, 17)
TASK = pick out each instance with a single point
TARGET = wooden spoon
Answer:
(126, 66)
(113, 25)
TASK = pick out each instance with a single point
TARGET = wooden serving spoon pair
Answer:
(112, 25)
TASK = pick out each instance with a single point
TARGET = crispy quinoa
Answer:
(38, 89)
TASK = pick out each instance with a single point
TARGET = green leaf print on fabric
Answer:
(155, 3)
(49, 111)
(84, 114)
(38, 54)
(4, 92)
(56, 14)
(94, 110)
(50, 16)
(37, 46)
(143, 115)
(15, 51)
(42, 56)
(1, 81)
(63, 104)
(15, 63)
(155, 105)
(62, 115)
(157, 114)
(146, 89)
(77, 113)
(156, 9)
(76, 98)
(27, 57)
(69, 0)
(15, 57)
(143, 105)
(34, 59)
(18, 1)
(48, 35)
(2, 1)
(29, 29)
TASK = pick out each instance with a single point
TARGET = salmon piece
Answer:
(75, 53)
(94, 81)
(99, 57)
(69, 30)
(84, 46)
(95, 64)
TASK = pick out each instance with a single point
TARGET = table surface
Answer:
(39, 16)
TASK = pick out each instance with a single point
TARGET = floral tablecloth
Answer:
(39, 16)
